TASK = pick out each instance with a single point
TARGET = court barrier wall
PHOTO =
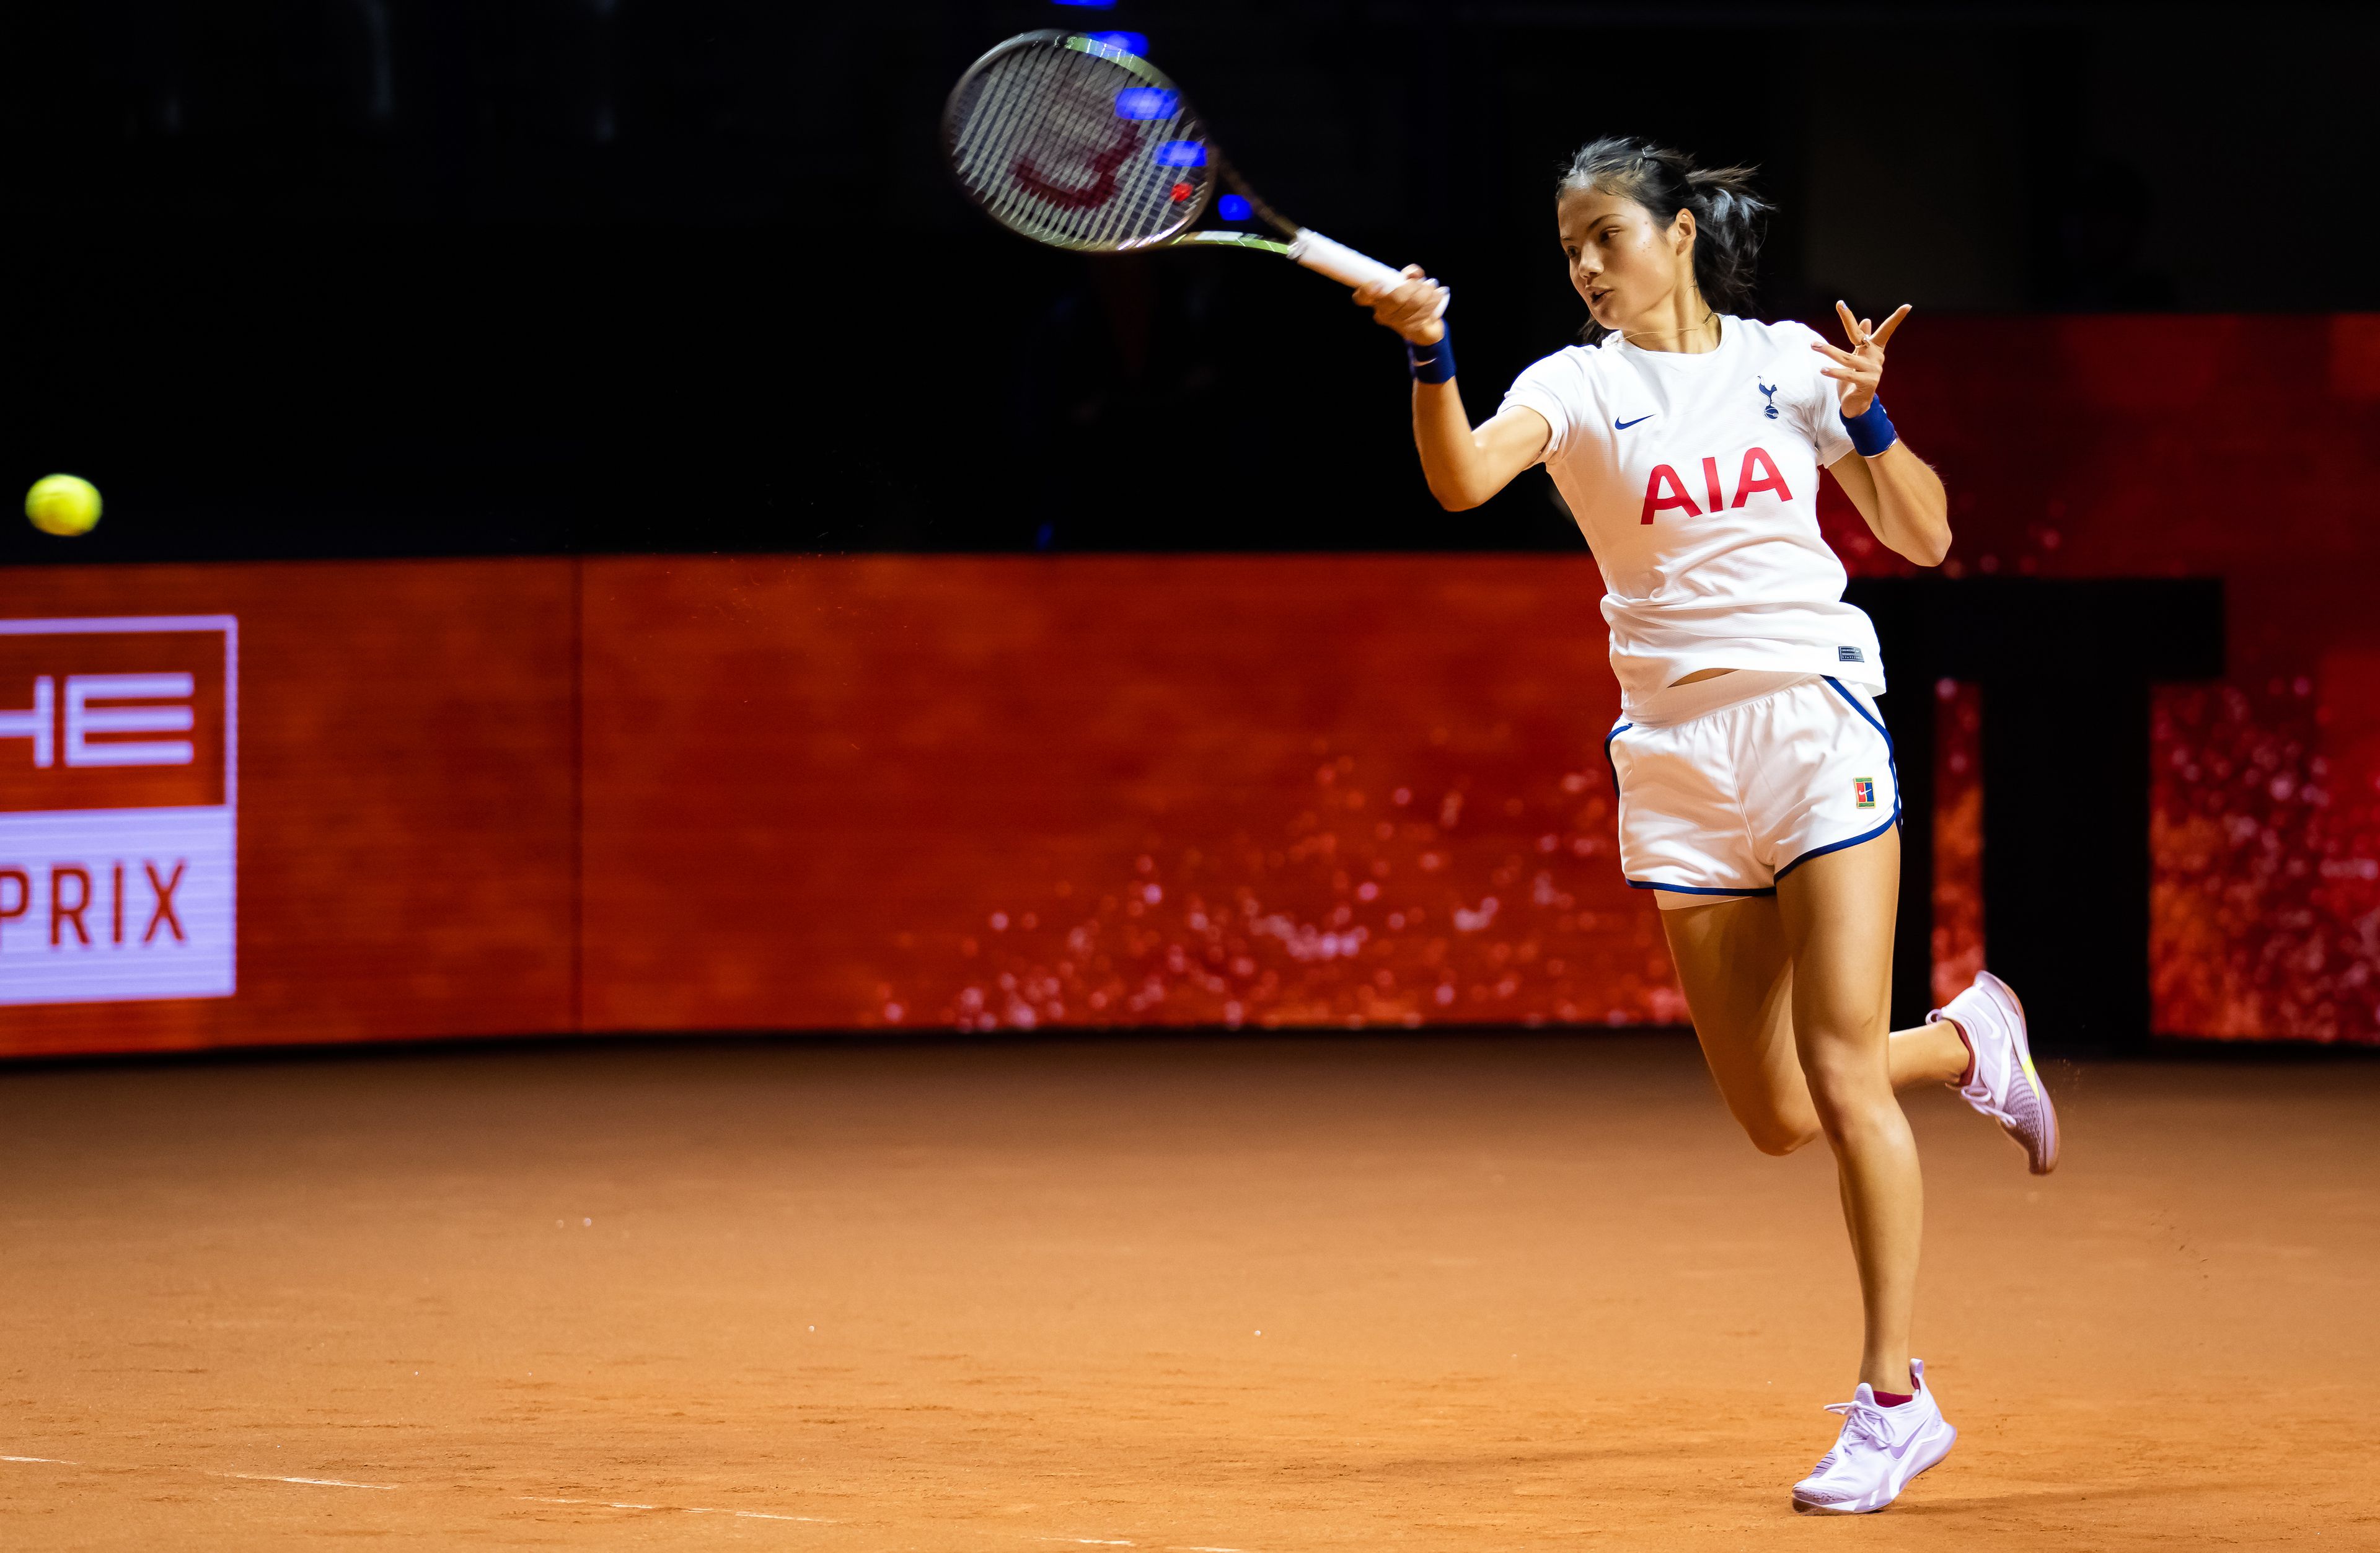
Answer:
(524, 796)
(521, 797)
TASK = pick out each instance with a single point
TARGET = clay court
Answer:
(1440, 1292)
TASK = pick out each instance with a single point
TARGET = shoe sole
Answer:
(2048, 1159)
(1869, 1505)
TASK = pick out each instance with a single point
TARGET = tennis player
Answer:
(1757, 788)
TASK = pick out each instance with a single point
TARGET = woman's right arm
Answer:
(1464, 464)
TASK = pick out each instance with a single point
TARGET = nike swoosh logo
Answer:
(1623, 425)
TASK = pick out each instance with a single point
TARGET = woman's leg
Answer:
(1927, 1054)
(1738, 978)
(1837, 915)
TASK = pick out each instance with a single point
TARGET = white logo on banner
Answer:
(119, 776)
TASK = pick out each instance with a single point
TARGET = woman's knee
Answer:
(1759, 1075)
(1777, 1139)
(1779, 1130)
(1847, 1081)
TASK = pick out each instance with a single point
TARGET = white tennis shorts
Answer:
(1728, 804)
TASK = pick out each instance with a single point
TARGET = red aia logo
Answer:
(1664, 490)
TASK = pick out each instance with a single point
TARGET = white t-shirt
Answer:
(1694, 478)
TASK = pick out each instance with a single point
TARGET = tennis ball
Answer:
(67, 505)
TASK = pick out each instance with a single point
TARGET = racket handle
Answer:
(1338, 261)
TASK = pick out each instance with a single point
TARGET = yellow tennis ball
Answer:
(63, 504)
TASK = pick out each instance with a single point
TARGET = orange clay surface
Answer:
(1266, 1295)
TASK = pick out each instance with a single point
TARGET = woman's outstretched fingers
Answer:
(1861, 368)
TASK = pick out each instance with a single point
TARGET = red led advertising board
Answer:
(528, 797)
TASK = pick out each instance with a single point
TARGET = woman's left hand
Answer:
(1860, 369)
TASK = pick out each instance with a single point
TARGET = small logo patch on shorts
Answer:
(1864, 791)
(1850, 655)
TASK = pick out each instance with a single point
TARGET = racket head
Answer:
(1078, 144)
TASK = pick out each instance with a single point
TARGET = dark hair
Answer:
(1728, 217)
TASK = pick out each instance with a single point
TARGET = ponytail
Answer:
(1729, 219)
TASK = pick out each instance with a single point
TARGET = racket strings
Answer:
(1041, 139)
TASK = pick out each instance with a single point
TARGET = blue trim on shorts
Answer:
(1695, 889)
(1891, 764)
(1838, 846)
(1852, 701)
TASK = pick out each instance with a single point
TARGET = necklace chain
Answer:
(1632, 337)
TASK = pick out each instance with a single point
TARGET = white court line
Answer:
(525, 1498)
(1093, 1541)
(1117, 1542)
(244, 1476)
(680, 1509)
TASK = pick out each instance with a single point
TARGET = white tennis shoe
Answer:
(1878, 1451)
(2005, 1086)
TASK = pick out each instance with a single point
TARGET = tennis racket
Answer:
(1082, 145)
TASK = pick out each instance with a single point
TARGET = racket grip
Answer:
(1338, 261)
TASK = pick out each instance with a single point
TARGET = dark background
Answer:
(363, 277)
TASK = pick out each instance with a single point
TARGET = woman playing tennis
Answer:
(1757, 788)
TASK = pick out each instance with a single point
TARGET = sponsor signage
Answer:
(119, 779)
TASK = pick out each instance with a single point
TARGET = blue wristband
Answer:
(1871, 430)
(1432, 363)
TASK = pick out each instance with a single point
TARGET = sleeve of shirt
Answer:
(1819, 406)
(1553, 388)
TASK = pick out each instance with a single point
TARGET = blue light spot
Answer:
(1134, 44)
(1090, 5)
(1231, 207)
(1181, 153)
(1146, 102)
